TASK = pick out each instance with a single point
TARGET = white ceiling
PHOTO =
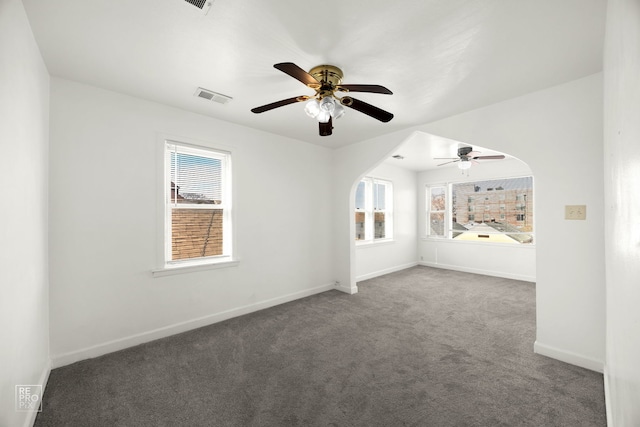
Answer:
(439, 57)
(423, 151)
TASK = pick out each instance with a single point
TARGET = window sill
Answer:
(474, 242)
(191, 268)
(371, 243)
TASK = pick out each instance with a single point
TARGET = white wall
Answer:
(376, 259)
(493, 259)
(104, 219)
(350, 164)
(622, 207)
(24, 128)
(558, 133)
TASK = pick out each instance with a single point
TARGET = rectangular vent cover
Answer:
(203, 5)
(212, 96)
(197, 3)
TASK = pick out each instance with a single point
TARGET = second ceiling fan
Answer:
(324, 106)
(466, 156)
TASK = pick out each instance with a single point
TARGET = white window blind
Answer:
(196, 176)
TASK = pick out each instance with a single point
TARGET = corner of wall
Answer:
(607, 396)
(42, 381)
(353, 289)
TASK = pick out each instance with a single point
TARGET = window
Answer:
(436, 211)
(374, 210)
(505, 215)
(197, 205)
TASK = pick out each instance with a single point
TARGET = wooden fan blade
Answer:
(446, 163)
(368, 109)
(365, 88)
(277, 104)
(488, 157)
(446, 158)
(297, 73)
(326, 128)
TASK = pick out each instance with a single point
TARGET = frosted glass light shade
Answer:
(323, 116)
(312, 108)
(338, 111)
(328, 104)
(464, 164)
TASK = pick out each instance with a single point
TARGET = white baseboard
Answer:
(607, 397)
(59, 360)
(569, 357)
(502, 274)
(44, 378)
(347, 290)
(385, 271)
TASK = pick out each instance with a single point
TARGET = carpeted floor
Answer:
(420, 347)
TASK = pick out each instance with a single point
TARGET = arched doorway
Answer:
(503, 189)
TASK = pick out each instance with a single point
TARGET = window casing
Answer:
(374, 210)
(436, 211)
(197, 195)
(491, 211)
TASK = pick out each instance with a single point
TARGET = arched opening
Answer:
(544, 129)
(489, 231)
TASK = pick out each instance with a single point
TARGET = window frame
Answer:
(166, 265)
(370, 210)
(473, 212)
(446, 211)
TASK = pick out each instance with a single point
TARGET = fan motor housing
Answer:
(463, 151)
(329, 76)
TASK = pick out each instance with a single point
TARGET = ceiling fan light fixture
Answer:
(464, 164)
(325, 80)
(312, 108)
(324, 109)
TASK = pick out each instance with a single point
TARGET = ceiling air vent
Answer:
(212, 96)
(197, 3)
(205, 5)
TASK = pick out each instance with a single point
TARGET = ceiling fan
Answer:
(325, 106)
(466, 156)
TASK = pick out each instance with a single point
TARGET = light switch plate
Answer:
(578, 212)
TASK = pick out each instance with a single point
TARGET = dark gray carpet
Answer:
(421, 347)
